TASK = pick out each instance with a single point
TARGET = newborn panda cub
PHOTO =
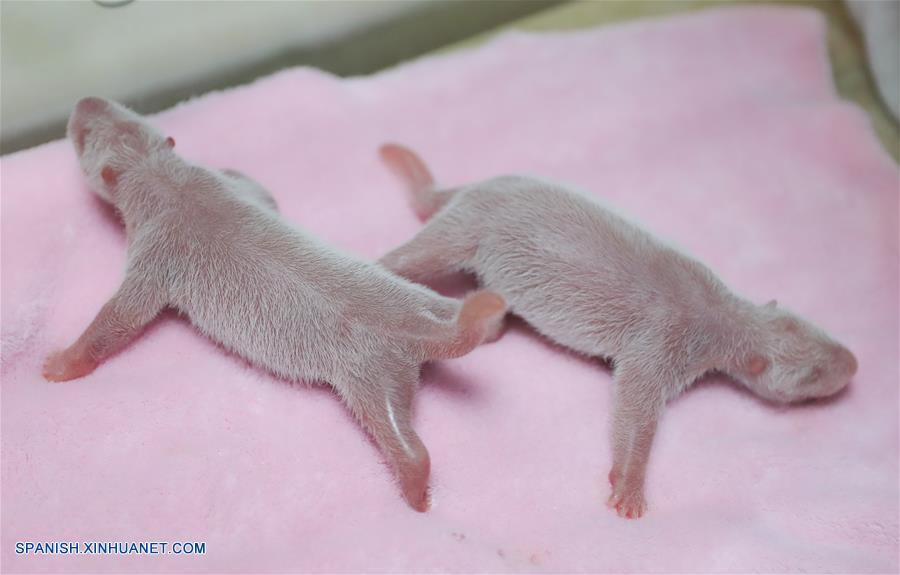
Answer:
(211, 244)
(595, 283)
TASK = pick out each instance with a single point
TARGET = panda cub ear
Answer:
(757, 365)
(110, 176)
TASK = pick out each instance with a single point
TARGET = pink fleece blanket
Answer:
(720, 131)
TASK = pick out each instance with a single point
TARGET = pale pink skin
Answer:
(598, 284)
(212, 244)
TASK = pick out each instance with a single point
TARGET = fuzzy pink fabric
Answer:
(720, 131)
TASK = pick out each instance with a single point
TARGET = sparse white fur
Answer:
(212, 244)
(592, 281)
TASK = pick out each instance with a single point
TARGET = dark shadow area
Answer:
(454, 285)
(442, 377)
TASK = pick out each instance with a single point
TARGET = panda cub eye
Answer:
(812, 376)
